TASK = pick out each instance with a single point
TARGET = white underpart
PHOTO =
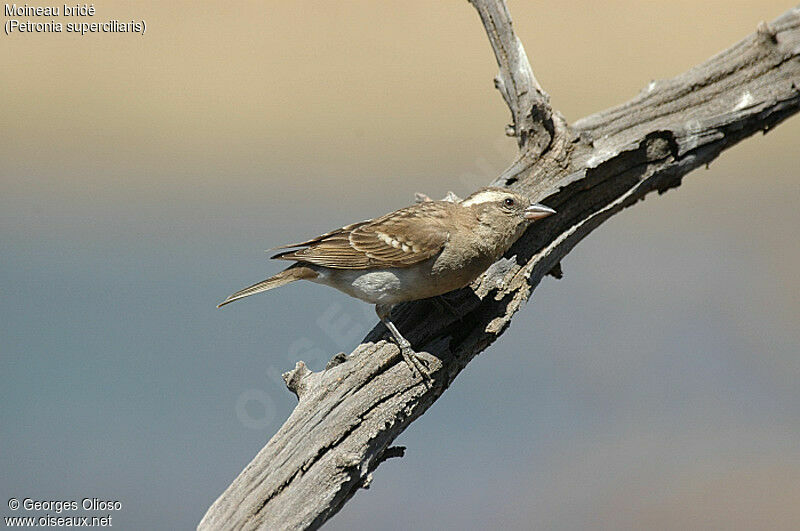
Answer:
(487, 196)
(376, 286)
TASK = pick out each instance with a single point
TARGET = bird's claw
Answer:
(415, 363)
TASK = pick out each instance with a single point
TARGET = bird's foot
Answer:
(414, 361)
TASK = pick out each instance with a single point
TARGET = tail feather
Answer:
(295, 272)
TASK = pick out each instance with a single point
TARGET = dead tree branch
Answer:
(532, 117)
(349, 414)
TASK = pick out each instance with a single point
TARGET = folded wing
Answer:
(399, 239)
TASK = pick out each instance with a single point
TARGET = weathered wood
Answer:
(348, 415)
(533, 122)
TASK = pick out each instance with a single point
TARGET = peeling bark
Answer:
(348, 415)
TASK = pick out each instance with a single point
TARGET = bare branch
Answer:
(349, 414)
(531, 114)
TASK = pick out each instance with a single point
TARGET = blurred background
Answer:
(654, 387)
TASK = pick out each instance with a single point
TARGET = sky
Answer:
(142, 177)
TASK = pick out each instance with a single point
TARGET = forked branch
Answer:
(531, 114)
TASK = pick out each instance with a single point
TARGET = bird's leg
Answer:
(409, 356)
(413, 361)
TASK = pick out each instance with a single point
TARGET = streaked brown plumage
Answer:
(398, 239)
(420, 251)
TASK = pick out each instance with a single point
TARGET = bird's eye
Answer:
(508, 202)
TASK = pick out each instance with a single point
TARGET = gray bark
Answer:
(349, 414)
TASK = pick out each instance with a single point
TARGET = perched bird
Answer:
(417, 252)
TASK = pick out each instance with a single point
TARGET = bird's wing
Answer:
(399, 239)
(333, 233)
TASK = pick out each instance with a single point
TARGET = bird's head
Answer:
(505, 212)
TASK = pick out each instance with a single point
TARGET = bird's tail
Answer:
(295, 272)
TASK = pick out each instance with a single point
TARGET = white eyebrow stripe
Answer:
(487, 196)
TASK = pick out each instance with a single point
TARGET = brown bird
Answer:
(417, 252)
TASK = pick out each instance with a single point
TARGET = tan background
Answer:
(654, 387)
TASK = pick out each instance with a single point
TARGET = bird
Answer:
(417, 252)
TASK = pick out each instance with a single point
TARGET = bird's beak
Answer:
(537, 211)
